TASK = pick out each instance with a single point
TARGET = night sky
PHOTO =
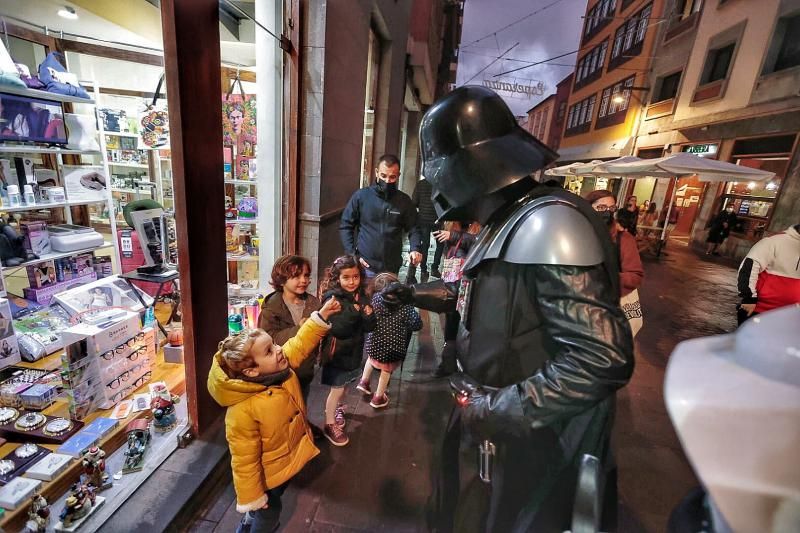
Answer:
(554, 31)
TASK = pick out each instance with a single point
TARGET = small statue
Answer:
(163, 406)
(94, 468)
(79, 503)
(38, 515)
(138, 439)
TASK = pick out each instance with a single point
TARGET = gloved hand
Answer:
(487, 411)
(397, 292)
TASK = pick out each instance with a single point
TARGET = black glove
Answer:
(397, 293)
(484, 411)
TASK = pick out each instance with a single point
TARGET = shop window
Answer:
(580, 116)
(650, 153)
(590, 66)
(598, 17)
(667, 87)
(784, 51)
(614, 101)
(764, 145)
(629, 37)
(718, 64)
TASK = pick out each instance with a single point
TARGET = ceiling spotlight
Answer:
(67, 13)
(618, 100)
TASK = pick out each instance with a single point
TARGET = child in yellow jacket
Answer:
(265, 423)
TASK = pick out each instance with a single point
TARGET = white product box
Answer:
(49, 467)
(104, 337)
(17, 492)
(9, 349)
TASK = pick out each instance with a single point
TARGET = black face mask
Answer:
(607, 216)
(387, 188)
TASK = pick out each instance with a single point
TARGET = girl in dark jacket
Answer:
(343, 348)
(458, 240)
(721, 227)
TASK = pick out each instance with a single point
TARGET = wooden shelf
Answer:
(37, 207)
(59, 255)
(128, 165)
(45, 95)
(241, 222)
(22, 149)
(121, 134)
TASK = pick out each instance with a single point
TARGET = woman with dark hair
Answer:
(721, 227)
(631, 271)
(628, 216)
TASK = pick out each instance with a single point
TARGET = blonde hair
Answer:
(383, 280)
(235, 352)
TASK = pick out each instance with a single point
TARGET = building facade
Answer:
(735, 99)
(560, 103)
(540, 118)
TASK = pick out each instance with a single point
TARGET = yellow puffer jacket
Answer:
(266, 427)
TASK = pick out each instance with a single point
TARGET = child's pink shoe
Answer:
(335, 435)
(363, 386)
(379, 402)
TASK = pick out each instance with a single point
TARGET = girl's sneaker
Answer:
(379, 402)
(336, 435)
(363, 386)
(339, 416)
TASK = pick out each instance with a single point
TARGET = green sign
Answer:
(701, 149)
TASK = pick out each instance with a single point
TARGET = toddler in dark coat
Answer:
(387, 345)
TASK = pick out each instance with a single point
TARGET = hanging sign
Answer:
(525, 88)
(702, 150)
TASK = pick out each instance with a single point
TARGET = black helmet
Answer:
(472, 147)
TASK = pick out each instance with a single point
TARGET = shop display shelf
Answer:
(143, 190)
(23, 149)
(242, 258)
(59, 255)
(232, 291)
(127, 165)
(45, 95)
(120, 134)
(241, 222)
(241, 182)
(55, 205)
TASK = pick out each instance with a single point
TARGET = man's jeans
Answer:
(264, 520)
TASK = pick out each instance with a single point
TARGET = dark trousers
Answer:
(426, 244)
(264, 520)
(437, 255)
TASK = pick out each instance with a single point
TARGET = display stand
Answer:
(151, 278)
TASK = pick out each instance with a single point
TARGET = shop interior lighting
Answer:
(751, 185)
(771, 186)
(67, 13)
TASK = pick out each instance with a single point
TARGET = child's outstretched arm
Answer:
(299, 347)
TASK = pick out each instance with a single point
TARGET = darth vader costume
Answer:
(542, 344)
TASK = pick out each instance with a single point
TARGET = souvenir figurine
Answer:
(138, 439)
(94, 468)
(38, 515)
(79, 504)
(163, 406)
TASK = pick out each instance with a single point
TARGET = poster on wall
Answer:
(239, 123)
(85, 183)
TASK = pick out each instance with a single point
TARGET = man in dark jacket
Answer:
(375, 218)
(426, 221)
(543, 343)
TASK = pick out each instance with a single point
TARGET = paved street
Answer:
(380, 481)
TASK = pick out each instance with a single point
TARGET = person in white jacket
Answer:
(769, 276)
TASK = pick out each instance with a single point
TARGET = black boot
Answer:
(448, 364)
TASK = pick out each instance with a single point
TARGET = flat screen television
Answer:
(28, 119)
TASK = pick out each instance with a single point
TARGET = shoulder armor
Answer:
(542, 231)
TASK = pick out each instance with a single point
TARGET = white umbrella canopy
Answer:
(563, 170)
(683, 164)
(599, 168)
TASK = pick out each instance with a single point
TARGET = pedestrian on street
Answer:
(628, 217)
(426, 222)
(721, 226)
(631, 271)
(769, 276)
(342, 350)
(265, 423)
(458, 238)
(386, 346)
(288, 308)
(374, 220)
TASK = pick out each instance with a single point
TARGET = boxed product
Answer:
(65, 270)
(38, 396)
(42, 274)
(48, 468)
(45, 294)
(17, 492)
(100, 426)
(105, 336)
(77, 444)
(10, 393)
(9, 350)
(85, 183)
(83, 264)
(112, 291)
(37, 240)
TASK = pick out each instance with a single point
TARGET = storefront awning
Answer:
(587, 152)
